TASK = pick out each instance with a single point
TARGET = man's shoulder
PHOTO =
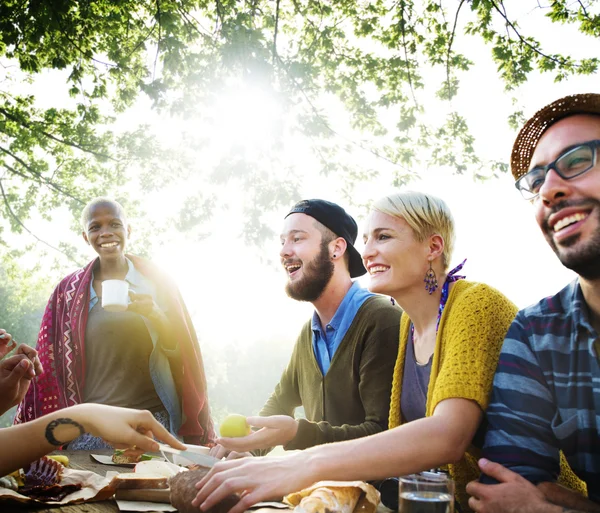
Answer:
(558, 306)
(380, 310)
(384, 305)
(546, 326)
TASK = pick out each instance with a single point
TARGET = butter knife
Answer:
(201, 459)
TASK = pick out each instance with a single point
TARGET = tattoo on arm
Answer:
(57, 422)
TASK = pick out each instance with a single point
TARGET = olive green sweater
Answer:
(353, 398)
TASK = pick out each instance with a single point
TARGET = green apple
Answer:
(234, 426)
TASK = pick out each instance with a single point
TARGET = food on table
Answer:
(134, 481)
(234, 426)
(163, 468)
(183, 491)
(42, 481)
(60, 458)
(18, 476)
(43, 472)
(335, 497)
(9, 482)
(126, 456)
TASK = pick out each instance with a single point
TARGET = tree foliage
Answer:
(374, 57)
(22, 301)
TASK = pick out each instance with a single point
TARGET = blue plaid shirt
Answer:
(546, 394)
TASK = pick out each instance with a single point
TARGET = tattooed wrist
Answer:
(61, 422)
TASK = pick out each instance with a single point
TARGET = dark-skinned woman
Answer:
(146, 357)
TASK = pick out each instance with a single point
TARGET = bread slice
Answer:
(132, 481)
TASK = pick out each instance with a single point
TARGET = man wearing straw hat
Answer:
(546, 395)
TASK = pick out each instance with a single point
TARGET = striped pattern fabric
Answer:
(546, 394)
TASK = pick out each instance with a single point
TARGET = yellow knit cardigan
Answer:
(470, 335)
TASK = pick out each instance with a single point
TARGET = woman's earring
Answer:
(430, 280)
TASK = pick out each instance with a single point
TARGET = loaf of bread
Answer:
(133, 481)
(335, 497)
(183, 492)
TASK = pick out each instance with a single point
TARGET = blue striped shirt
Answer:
(546, 394)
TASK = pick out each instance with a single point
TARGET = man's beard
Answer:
(316, 275)
(585, 260)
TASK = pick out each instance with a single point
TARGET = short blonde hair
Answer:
(425, 214)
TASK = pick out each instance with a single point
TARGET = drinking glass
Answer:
(427, 492)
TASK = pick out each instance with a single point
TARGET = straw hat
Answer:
(543, 119)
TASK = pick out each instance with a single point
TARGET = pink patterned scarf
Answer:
(61, 350)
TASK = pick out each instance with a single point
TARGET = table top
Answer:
(81, 460)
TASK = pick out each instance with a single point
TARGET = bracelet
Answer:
(57, 422)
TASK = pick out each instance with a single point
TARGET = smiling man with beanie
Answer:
(343, 360)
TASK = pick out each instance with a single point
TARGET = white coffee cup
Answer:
(115, 295)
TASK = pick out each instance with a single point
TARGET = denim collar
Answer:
(132, 277)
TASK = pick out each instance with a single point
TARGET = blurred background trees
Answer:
(193, 113)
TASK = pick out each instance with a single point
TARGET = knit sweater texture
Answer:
(470, 335)
(352, 400)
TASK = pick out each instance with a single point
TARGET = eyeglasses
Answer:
(571, 163)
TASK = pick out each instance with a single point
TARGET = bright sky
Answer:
(237, 292)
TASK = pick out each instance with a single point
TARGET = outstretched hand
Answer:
(256, 479)
(274, 430)
(124, 427)
(512, 494)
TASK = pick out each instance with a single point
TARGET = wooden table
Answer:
(81, 460)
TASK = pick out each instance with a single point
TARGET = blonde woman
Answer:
(450, 338)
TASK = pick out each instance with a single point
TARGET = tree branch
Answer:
(275, 31)
(219, 14)
(32, 127)
(158, 16)
(525, 42)
(40, 177)
(20, 223)
(186, 18)
(585, 13)
(450, 41)
(408, 66)
(337, 134)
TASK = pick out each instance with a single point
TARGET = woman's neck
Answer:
(113, 269)
(421, 307)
